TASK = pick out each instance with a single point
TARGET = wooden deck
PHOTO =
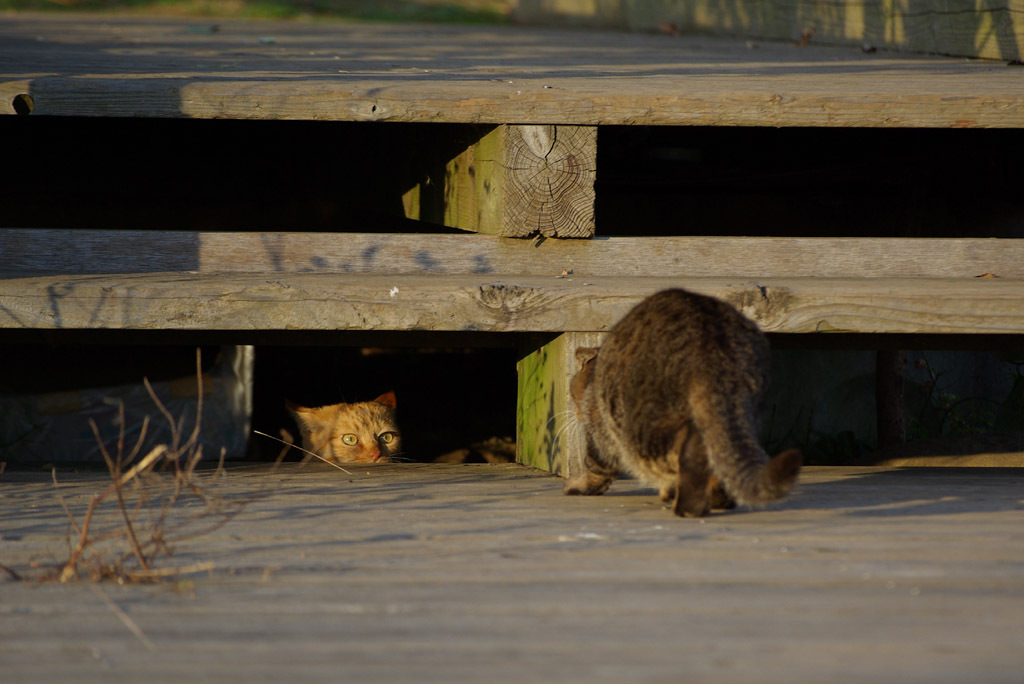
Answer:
(476, 573)
(117, 66)
(434, 573)
(518, 156)
(947, 27)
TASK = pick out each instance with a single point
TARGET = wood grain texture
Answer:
(116, 66)
(952, 27)
(44, 252)
(549, 181)
(521, 181)
(497, 303)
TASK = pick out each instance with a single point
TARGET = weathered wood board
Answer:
(497, 303)
(484, 573)
(114, 66)
(952, 27)
(69, 252)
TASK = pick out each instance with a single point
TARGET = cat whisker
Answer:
(569, 428)
(305, 451)
(560, 414)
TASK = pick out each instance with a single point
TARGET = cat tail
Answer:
(749, 476)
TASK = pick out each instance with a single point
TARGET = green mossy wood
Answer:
(545, 436)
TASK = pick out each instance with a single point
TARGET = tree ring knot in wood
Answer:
(540, 139)
(507, 299)
(762, 304)
(550, 174)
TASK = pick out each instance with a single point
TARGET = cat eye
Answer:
(387, 437)
(349, 439)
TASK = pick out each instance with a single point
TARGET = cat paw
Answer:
(717, 496)
(586, 485)
(693, 506)
(722, 501)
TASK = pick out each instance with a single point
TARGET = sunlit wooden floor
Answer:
(487, 573)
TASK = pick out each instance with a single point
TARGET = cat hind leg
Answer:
(717, 496)
(691, 496)
(693, 484)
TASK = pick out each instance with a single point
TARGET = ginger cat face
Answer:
(362, 432)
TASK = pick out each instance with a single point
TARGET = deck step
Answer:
(76, 252)
(65, 66)
(496, 302)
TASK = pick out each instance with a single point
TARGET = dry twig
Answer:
(306, 451)
(132, 626)
(146, 494)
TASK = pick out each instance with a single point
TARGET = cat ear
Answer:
(388, 399)
(585, 354)
(295, 408)
(304, 417)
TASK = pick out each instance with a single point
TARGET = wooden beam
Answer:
(547, 435)
(890, 405)
(52, 252)
(497, 303)
(516, 181)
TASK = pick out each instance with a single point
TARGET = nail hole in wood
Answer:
(23, 104)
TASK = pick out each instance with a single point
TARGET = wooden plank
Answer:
(521, 181)
(127, 66)
(52, 252)
(497, 303)
(953, 27)
(546, 432)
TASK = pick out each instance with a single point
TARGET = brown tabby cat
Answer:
(363, 432)
(672, 398)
